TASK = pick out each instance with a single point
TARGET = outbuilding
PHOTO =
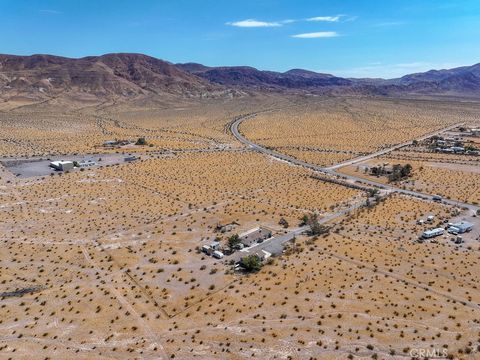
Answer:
(463, 227)
(215, 245)
(62, 165)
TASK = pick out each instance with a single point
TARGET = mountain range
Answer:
(134, 75)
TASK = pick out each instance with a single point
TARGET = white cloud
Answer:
(325, 18)
(316, 35)
(252, 23)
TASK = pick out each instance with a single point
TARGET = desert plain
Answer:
(105, 262)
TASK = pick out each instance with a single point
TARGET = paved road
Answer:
(276, 244)
(390, 149)
(331, 170)
(234, 129)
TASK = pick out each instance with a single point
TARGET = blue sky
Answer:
(358, 38)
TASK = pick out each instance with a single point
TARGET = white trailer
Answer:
(218, 254)
(433, 233)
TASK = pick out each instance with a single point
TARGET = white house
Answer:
(62, 165)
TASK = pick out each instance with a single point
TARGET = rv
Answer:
(207, 249)
(433, 233)
(217, 254)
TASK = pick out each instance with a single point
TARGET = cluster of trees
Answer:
(251, 263)
(400, 172)
(396, 173)
(315, 227)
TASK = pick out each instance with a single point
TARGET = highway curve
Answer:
(331, 170)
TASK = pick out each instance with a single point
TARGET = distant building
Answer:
(462, 227)
(223, 228)
(262, 255)
(381, 169)
(254, 236)
(62, 165)
(215, 245)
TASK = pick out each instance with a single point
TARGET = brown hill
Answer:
(140, 76)
(251, 78)
(125, 75)
(463, 81)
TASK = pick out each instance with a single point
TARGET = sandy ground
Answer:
(104, 263)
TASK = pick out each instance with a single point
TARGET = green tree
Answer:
(251, 263)
(400, 172)
(141, 141)
(406, 171)
(233, 241)
(304, 220)
(315, 227)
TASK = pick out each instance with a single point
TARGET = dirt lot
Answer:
(25, 168)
